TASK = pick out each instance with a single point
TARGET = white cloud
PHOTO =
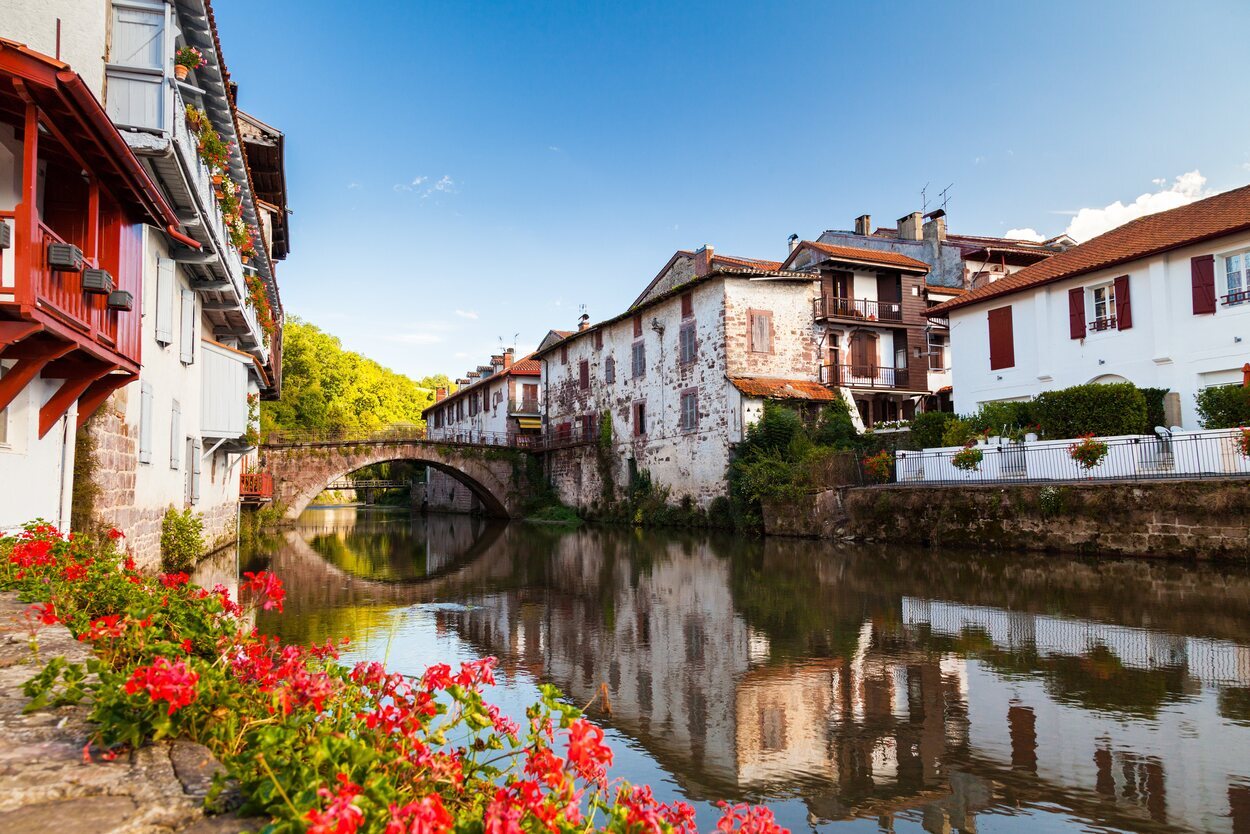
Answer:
(410, 186)
(555, 149)
(1091, 222)
(415, 338)
(1024, 234)
(352, 186)
(446, 185)
(467, 314)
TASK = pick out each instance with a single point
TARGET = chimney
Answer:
(507, 357)
(703, 260)
(583, 322)
(440, 394)
(863, 225)
(793, 241)
(935, 225)
(909, 227)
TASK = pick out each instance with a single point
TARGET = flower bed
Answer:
(314, 745)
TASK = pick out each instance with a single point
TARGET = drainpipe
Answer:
(173, 232)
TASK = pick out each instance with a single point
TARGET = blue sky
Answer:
(464, 172)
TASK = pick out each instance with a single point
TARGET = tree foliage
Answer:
(328, 388)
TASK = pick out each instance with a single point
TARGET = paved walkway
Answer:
(45, 786)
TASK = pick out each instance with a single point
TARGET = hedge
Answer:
(1225, 407)
(1104, 409)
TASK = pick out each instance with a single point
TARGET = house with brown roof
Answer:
(1162, 301)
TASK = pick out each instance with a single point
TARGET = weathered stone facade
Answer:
(1201, 519)
(446, 493)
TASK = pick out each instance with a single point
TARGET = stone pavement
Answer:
(45, 786)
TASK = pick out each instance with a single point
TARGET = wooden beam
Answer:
(98, 392)
(69, 392)
(27, 368)
(12, 332)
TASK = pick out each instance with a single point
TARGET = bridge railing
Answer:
(569, 434)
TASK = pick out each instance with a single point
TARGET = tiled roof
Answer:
(851, 253)
(1213, 217)
(1011, 248)
(749, 263)
(525, 366)
(782, 389)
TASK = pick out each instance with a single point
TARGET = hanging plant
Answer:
(1088, 452)
(214, 150)
(186, 59)
(968, 459)
(1243, 442)
(197, 120)
(259, 299)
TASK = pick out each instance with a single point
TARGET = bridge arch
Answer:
(302, 470)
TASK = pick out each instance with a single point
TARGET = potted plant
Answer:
(1088, 452)
(880, 466)
(968, 459)
(186, 59)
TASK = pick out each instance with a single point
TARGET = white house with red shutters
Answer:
(1162, 301)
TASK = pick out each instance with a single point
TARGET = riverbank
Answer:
(45, 778)
(1199, 519)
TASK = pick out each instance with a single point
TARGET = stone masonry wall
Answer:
(1188, 519)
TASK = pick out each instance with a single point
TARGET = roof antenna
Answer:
(946, 198)
(924, 199)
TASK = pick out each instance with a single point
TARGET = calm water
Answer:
(857, 689)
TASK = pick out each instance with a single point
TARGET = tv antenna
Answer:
(946, 195)
(502, 346)
(924, 199)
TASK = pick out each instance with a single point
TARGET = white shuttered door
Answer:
(188, 327)
(165, 300)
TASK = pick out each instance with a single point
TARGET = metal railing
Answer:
(1104, 323)
(863, 309)
(864, 376)
(1181, 455)
(1235, 297)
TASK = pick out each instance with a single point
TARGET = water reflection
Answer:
(869, 688)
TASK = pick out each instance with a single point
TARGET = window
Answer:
(564, 354)
(760, 336)
(690, 410)
(588, 426)
(164, 300)
(188, 327)
(529, 397)
(609, 370)
(937, 351)
(640, 419)
(598, 339)
(583, 374)
(639, 368)
(1237, 277)
(137, 65)
(1002, 339)
(145, 422)
(687, 347)
(687, 305)
(1103, 297)
(637, 326)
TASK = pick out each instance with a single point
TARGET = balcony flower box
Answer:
(121, 300)
(64, 257)
(97, 282)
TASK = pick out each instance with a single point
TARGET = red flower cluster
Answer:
(587, 752)
(282, 670)
(342, 815)
(174, 580)
(165, 681)
(45, 613)
(267, 588)
(425, 816)
(747, 819)
(642, 810)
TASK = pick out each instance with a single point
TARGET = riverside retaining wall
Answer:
(1199, 519)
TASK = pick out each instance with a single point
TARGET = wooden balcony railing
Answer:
(255, 486)
(1104, 323)
(1235, 297)
(860, 309)
(865, 376)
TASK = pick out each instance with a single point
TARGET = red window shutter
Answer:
(583, 372)
(1076, 313)
(598, 339)
(1202, 278)
(637, 326)
(1123, 304)
(687, 305)
(1002, 341)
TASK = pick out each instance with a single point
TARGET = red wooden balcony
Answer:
(255, 487)
(856, 309)
(95, 196)
(865, 377)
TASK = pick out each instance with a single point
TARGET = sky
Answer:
(469, 175)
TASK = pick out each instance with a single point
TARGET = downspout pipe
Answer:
(173, 232)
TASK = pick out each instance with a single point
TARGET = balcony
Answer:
(1235, 297)
(868, 377)
(525, 408)
(255, 487)
(856, 309)
(1104, 323)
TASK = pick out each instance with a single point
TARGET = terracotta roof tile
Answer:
(782, 389)
(525, 366)
(1215, 216)
(749, 263)
(852, 253)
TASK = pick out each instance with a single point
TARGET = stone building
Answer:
(205, 289)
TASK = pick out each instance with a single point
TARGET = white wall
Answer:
(83, 30)
(36, 475)
(1167, 346)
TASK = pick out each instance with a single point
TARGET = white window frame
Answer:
(1241, 294)
(937, 348)
(1106, 321)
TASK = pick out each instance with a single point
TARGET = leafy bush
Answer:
(313, 744)
(1225, 407)
(927, 428)
(1154, 407)
(835, 428)
(958, 432)
(1097, 408)
(879, 466)
(182, 539)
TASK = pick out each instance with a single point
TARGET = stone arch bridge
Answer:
(302, 468)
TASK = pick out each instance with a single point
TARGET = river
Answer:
(864, 688)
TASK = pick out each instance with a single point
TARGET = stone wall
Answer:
(445, 494)
(1187, 519)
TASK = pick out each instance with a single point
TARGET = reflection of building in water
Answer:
(1181, 763)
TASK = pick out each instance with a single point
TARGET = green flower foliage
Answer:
(182, 539)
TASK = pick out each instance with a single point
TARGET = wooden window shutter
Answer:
(196, 452)
(145, 422)
(687, 305)
(188, 327)
(583, 374)
(175, 435)
(164, 300)
(1123, 304)
(1002, 341)
(598, 339)
(1076, 313)
(637, 326)
(1202, 280)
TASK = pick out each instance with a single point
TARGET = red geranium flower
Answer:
(173, 683)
